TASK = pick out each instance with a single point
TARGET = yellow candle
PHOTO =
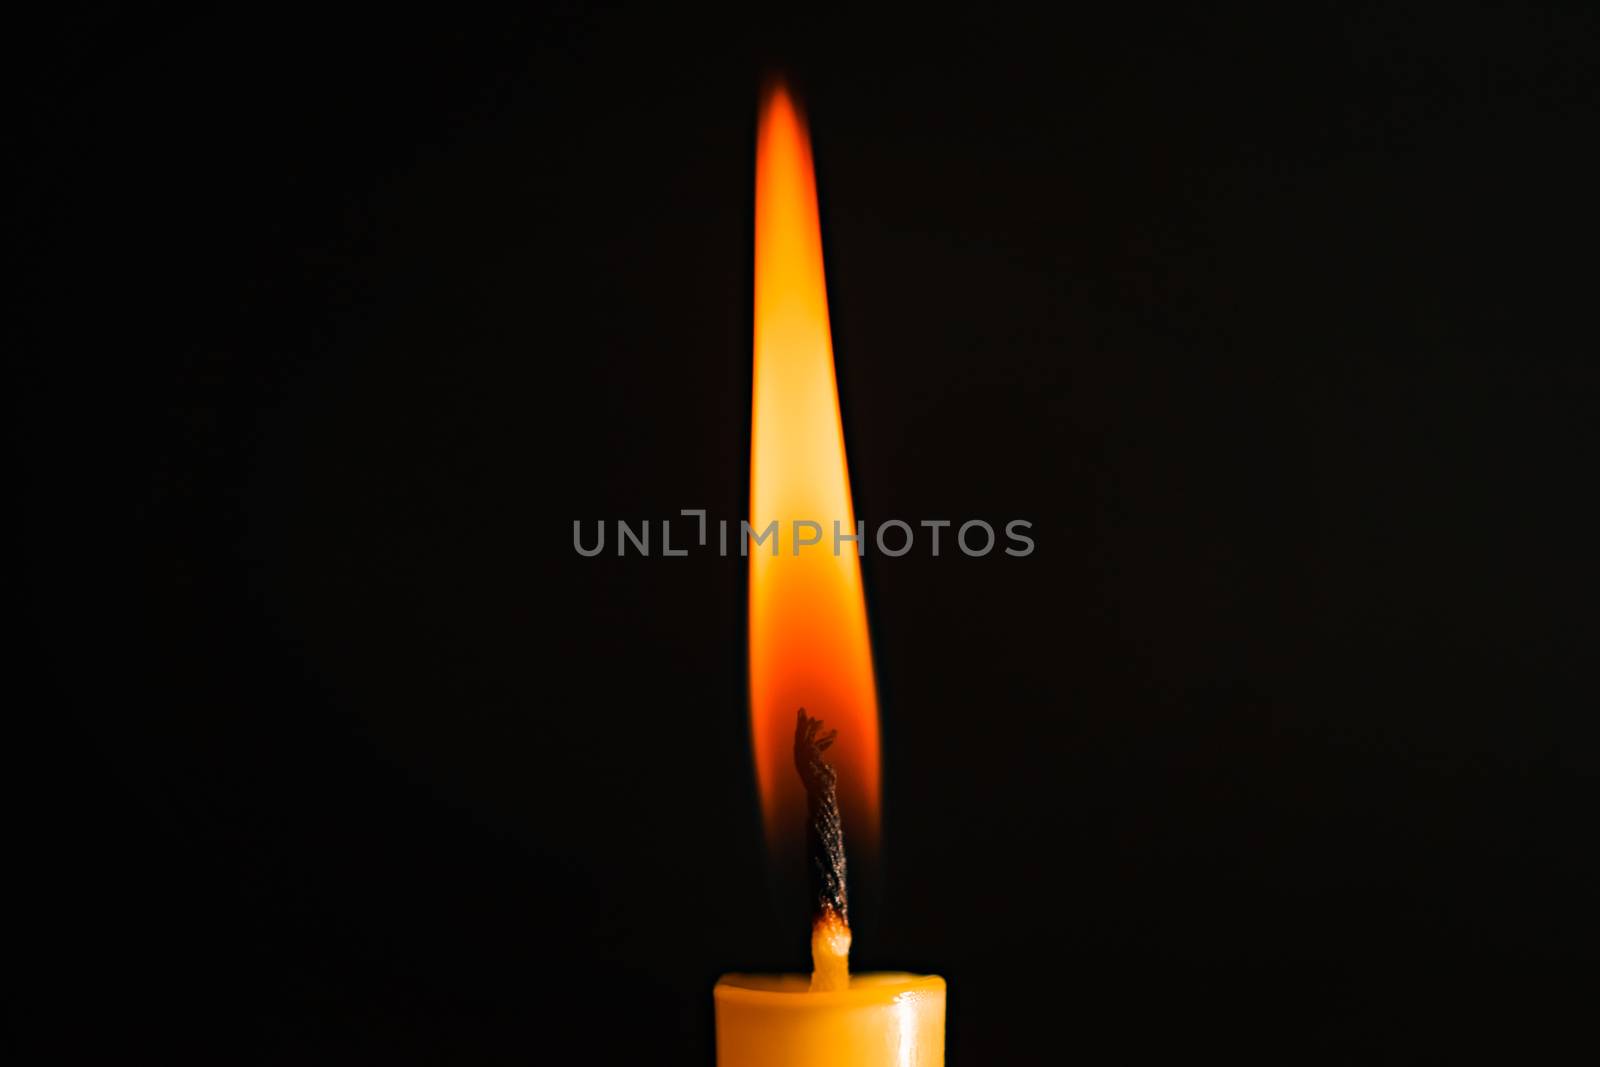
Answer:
(880, 1020)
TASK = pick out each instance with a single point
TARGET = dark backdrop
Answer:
(1278, 325)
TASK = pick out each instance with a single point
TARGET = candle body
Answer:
(881, 1020)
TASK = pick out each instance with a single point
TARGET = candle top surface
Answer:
(874, 988)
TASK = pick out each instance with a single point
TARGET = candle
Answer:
(809, 645)
(879, 1021)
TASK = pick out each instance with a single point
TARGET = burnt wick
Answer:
(825, 863)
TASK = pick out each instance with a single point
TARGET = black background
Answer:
(1279, 326)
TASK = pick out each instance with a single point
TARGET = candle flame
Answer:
(809, 645)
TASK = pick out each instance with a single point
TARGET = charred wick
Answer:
(824, 828)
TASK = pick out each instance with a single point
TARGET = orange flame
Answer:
(809, 645)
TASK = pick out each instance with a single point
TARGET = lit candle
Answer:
(809, 647)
